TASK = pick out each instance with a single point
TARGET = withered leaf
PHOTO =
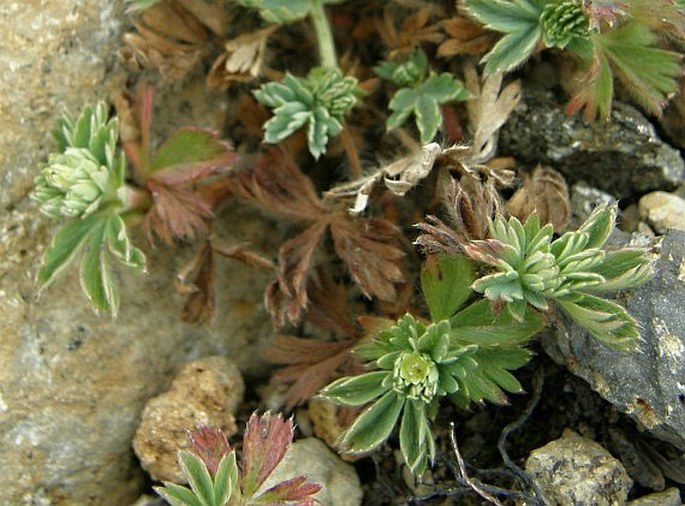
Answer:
(544, 191)
(276, 184)
(488, 111)
(467, 37)
(169, 37)
(241, 60)
(371, 250)
(201, 299)
(311, 364)
(287, 298)
(415, 30)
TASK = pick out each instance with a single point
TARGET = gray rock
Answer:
(622, 157)
(205, 392)
(72, 385)
(670, 497)
(56, 54)
(313, 458)
(648, 383)
(663, 210)
(584, 199)
(576, 471)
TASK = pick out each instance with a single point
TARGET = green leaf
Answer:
(226, 479)
(428, 117)
(189, 148)
(416, 440)
(198, 477)
(279, 11)
(66, 243)
(506, 16)
(444, 88)
(519, 20)
(120, 245)
(96, 278)
(622, 269)
(356, 390)
(446, 284)
(479, 325)
(648, 74)
(599, 225)
(177, 495)
(605, 320)
(374, 425)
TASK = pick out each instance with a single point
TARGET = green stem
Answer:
(324, 37)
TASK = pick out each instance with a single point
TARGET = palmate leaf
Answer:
(625, 268)
(356, 390)
(446, 282)
(486, 375)
(605, 320)
(198, 476)
(647, 73)
(101, 235)
(519, 20)
(478, 324)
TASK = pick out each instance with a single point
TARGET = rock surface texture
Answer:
(72, 385)
(205, 392)
(576, 471)
(663, 210)
(648, 383)
(622, 157)
(340, 483)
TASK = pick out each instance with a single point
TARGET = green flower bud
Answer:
(416, 376)
(73, 184)
(562, 22)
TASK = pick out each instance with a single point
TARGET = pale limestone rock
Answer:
(205, 392)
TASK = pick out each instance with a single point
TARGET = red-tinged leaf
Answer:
(371, 250)
(276, 184)
(266, 440)
(210, 445)
(175, 214)
(287, 299)
(608, 12)
(313, 363)
(296, 491)
(595, 90)
(201, 302)
(190, 154)
(244, 255)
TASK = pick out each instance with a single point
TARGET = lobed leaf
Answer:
(356, 390)
(374, 425)
(177, 495)
(96, 278)
(198, 476)
(625, 268)
(478, 324)
(416, 440)
(605, 320)
(446, 282)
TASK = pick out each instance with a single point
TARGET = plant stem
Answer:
(324, 37)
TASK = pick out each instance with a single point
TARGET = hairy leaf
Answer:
(519, 20)
(356, 390)
(479, 324)
(606, 320)
(266, 440)
(374, 425)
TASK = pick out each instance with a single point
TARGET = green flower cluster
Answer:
(562, 22)
(86, 172)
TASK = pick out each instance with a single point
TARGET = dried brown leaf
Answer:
(544, 191)
(415, 30)
(276, 184)
(371, 250)
(311, 364)
(171, 37)
(329, 309)
(201, 299)
(286, 299)
(466, 37)
(241, 60)
(488, 111)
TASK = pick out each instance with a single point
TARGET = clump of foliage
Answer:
(215, 478)
(608, 38)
